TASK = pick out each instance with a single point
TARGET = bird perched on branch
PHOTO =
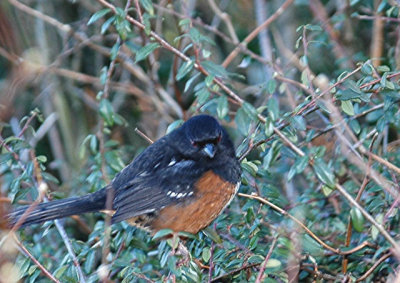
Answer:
(181, 182)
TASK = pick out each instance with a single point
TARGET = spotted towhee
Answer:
(181, 182)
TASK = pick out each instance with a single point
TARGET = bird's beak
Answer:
(210, 149)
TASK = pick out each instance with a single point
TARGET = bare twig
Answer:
(143, 135)
(267, 257)
(256, 31)
(35, 261)
(308, 231)
(237, 270)
(374, 266)
(227, 20)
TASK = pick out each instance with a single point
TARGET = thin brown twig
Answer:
(358, 197)
(217, 32)
(367, 17)
(374, 266)
(371, 219)
(267, 257)
(143, 135)
(321, 14)
(237, 270)
(308, 231)
(256, 31)
(227, 20)
(378, 80)
(35, 261)
(211, 268)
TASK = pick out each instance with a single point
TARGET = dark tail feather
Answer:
(59, 209)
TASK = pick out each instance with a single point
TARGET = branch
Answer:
(308, 231)
(35, 261)
(267, 257)
(256, 31)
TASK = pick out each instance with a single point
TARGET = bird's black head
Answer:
(203, 136)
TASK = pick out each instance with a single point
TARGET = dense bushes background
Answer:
(308, 90)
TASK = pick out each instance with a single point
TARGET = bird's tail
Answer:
(58, 209)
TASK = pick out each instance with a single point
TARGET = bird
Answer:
(181, 182)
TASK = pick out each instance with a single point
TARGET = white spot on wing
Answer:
(144, 174)
(172, 162)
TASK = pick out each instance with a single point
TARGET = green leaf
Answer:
(298, 167)
(206, 254)
(273, 109)
(383, 69)
(6, 157)
(50, 178)
(313, 27)
(352, 91)
(202, 95)
(89, 262)
(214, 69)
(41, 158)
(324, 173)
(184, 69)
(187, 235)
(195, 36)
(347, 107)
(148, 6)
(385, 83)
(184, 22)
(190, 81)
(322, 106)
(249, 167)
(357, 219)
(60, 271)
(106, 111)
(209, 80)
(114, 160)
(114, 51)
(222, 106)
(250, 110)
(256, 259)
(355, 126)
(374, 231)
(272, 155)
(242, 121)
(146, 51)
(174, 125)
(98, 15)
(147, 24)
(271, 86)
(162, 233)
(367, 68)
(269, 127)
(212, 234)
(103, 79)
(326, 190)
(107, 24)
(299, 123)
(273, 263)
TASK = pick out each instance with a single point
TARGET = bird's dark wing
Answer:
(169, 181)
